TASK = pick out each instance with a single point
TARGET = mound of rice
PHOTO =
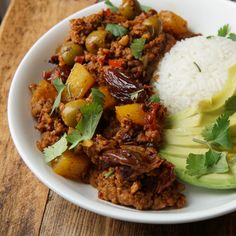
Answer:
(194, 70)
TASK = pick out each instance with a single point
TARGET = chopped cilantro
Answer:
(198, 67)
(134, 95)
(137, 47)
(111, 6)
(218, 133)
(210, 162)
(232, 36)
(145, 8)
(86, 127)
(154, 98)
(210, 37)
(117, 30)
(56, 149)
(223, 31)
(109, 173)
(58, 84)
(230, 105)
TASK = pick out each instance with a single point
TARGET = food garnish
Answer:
(145, 8)
(56, 149)
(91, 114)
(58, 84)
(224, 30)
(198, 67)
(232, 36)
(137, 47)
(116, 30)
(154, 98)
(210, 162)
(230, 105)
(111, 6)
(109, 173)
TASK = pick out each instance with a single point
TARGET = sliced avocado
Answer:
(198, 120)
(218, 100)
(183, 131)
(186, 141)
(211, 181)
(182, 151)
(183, 114)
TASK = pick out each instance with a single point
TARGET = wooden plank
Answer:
(22, 197)
(63, 218)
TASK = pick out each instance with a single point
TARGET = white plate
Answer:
(203, 16)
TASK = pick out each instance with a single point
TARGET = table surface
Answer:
(27, 207)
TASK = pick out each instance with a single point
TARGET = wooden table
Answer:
(27, 207)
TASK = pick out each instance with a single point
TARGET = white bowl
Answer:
(203, 16)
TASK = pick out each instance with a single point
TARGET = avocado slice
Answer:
(218, 100)
(211, 181)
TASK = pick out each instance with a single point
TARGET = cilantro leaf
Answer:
(218, 133)
(210, 162)
(74, 138)
(154, 98)
(223, 31)
(56, 149)
(137, 47)
(58, 84)
(230, 105)
(232, 36)
(116, 30)
(111, 6)
(86, 127)
(109, 173)
(98, 96)
(145, 8)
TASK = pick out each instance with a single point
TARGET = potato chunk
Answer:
(133, 112)
(78, 83)
(173, 23)
(109, 101)
(71, 165)
(43, 90)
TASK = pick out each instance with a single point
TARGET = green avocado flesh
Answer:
(187, 125)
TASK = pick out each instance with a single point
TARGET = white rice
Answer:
(181, 84)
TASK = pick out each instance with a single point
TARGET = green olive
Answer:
(70, 112)
(154, 25)
(96, 40)
(69, 51)
(130, 9)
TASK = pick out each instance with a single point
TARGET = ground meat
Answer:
(41, 106)
(113, 188)
(61, 72)
(80, 28)
(113, 17)
(125, 165)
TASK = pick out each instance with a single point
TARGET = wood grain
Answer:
(26, 206)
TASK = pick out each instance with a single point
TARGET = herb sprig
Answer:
(215, 135)
(117, 30)
(111, 6)
(154, 98)
(224, 31)
(58, 84)
(91, 115)
(137, 47)
(56, 149)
